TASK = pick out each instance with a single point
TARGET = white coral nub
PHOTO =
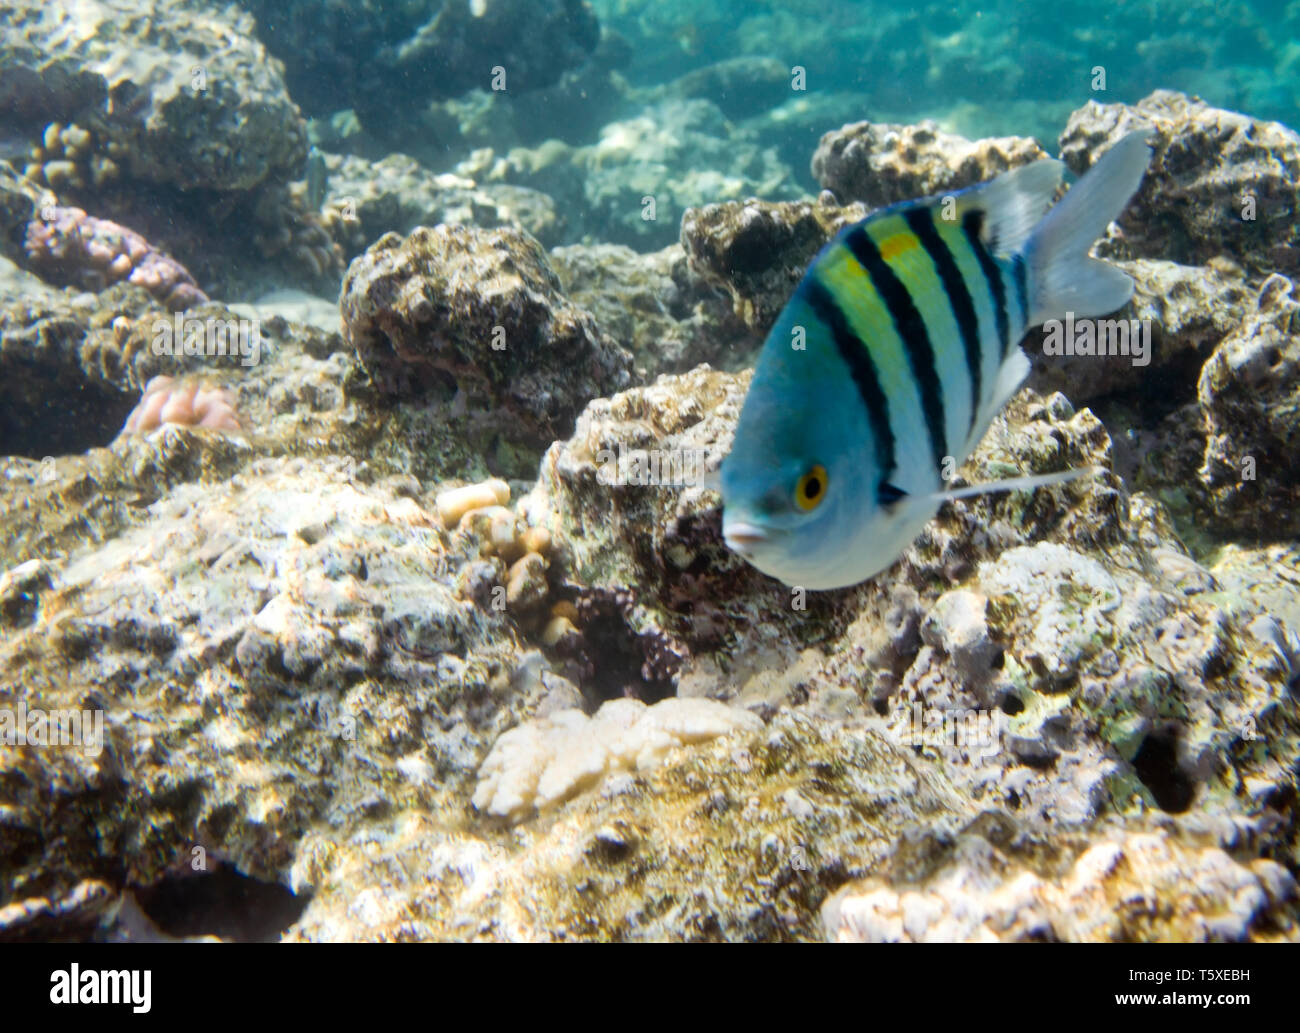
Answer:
(544, 762)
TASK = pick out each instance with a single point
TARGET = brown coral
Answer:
(881, 164)
(74, 157)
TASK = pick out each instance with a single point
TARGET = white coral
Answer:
(546, 761)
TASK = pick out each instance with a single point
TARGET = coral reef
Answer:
(1219, 182)
(882, 164)
(1249, 393)
(446, 644)
(482, 310)
(187, 92)
(70, 247)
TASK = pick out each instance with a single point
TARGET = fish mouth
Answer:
(745, 538)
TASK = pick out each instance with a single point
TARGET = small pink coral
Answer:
(187, 401)
(76, 249)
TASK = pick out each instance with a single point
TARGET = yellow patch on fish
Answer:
(892, 247)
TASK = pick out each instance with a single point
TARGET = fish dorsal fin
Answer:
(1012, 204)
(1016, 484)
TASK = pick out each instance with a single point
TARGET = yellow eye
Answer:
(811, 488)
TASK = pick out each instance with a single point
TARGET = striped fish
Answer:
(897, 350)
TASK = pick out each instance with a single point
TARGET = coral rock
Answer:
(483, 309)
(1134, 887)
(881, 164)
(194, 95)
(1250, 397)
(758, 251)
(1219, 182)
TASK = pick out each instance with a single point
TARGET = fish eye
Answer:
(811, 489)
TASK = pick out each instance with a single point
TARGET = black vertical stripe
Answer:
(972, 223)
(862, 368)
(921, 221)
(1022, 289)
(911, 329)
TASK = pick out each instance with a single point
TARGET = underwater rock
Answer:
(1249, 394)
(367, 199)
(1187, 310)
(1131, 887)
(758, 251)
(881, 164)
(196, 101)
(482, 309)
(270, 612)
(1219, 182)
(70, 247)
(543, 763)
(653, 305)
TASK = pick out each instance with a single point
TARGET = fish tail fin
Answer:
(1060, 275)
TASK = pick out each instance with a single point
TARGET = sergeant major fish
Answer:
(910, 325)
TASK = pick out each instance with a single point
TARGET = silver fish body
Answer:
(897, 350)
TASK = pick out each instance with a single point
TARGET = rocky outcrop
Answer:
(480, 311)
(1220, 183)
(187, 90)
(882, 164)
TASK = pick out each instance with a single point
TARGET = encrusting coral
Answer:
(73, 248)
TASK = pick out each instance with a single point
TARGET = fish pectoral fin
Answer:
(1017, 483)
(889, 495)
